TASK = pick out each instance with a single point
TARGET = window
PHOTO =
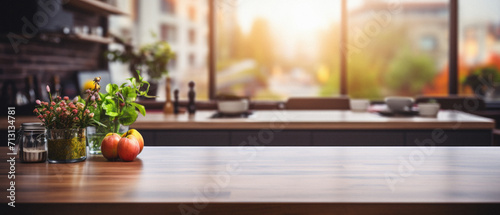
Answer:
(192, 13)
(479, 50)
(397, 48)
(135, 10)
(168, 6)
(274, 49)
(168, 33)
(192, 60)
(172, 64)
(192, 36)
(167, 20)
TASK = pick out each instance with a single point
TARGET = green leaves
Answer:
(119, 102)
(128, 116)
(139, 107)
(110, 106)
(140, 77)
(129, 94)
(133, 81)
(112, 88)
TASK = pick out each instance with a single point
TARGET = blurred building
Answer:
(182, 23)
(426, 24)
(479, 43)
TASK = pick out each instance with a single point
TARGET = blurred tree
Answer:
(330, 58)
(239, 47)
(362, 78)
(260, 43)
(409, 72)
(385, 67)
(367, 67)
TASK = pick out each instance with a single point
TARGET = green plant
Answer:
(156, 56)
(118, 105)
(483, 78)
(153, 58)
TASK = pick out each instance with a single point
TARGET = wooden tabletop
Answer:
(226, 176)
(269, 174)
(309, 119)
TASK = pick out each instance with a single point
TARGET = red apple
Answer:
(128, 148)
(137, 135)
(109, 146)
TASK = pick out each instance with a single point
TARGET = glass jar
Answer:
(94, 140)
(32, 143)
(66, 145)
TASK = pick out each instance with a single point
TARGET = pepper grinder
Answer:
(57, 86)
(176, 101)
(168, 108)
(191, 95)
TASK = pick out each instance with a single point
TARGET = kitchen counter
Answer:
(314, 128)
(266, 180)
(310, 119)
(308, 128)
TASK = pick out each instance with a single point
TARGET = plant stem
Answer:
(116, 125)
(116, 122)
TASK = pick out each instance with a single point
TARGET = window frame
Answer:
(452, 53)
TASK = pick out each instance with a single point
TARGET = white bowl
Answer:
(359, 105)
(233, 106)
(399, 104)
(428, 109)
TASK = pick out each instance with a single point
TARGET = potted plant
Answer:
(484, 82)
(152, 58)
(117, 109)
(65, 124)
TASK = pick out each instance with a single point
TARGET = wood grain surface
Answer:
(267, 174)
(304, 120)
(268, 178)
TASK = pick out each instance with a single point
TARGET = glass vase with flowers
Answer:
(65, 122)
(117, 110)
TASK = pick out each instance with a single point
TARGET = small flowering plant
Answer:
(63, 113)
(118, 105)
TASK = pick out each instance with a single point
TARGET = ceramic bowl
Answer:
(233, 106)
(428, 109)
(359, 105)
(399, 104)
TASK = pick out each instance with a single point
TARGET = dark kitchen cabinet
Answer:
(358, 138)
(315, 137)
